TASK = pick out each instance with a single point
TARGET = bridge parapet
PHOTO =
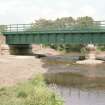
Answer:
(95, 26)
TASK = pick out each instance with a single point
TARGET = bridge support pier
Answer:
(90, 56)
(20, 49)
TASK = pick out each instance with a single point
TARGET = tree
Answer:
(59, 23)
(87, 23)
(84, 22)
(2, 28)
(42, 24)
(64, 22)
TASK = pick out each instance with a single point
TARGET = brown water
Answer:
(77, 84)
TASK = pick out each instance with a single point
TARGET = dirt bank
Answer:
(14, 69)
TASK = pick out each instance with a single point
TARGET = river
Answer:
(76, 84)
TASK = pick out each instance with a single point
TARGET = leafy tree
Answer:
(42, 24)
(86, 22)
(64, 22)
(2, 28)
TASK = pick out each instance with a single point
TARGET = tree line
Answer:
(65, 23)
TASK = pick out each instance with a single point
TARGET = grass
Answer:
(32, 92)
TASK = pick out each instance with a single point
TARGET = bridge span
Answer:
(26, 34)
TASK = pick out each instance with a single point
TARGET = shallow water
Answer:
(76, 96)
(77, 84)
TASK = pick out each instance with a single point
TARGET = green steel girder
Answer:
(55, 37)
(27, 34)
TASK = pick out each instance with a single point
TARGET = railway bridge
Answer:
(23, 35)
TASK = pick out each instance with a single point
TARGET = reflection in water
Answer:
(77, 84)
(73, 96)
(89, 92)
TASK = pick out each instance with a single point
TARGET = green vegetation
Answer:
(2, 28)
(66, 48)
(65, 23)
(101, 47)
(32, 92)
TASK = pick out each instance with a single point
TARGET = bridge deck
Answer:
(26, 34)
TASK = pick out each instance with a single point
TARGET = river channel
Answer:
(76, 84)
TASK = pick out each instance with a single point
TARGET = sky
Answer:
(26, 11)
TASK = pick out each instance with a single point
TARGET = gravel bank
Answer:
(14, 69)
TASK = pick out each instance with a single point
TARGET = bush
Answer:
(33, 92)
(42, 96)
(66, 47)
(101, 47)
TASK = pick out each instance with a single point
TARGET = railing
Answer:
(15, 27)
(96, 25)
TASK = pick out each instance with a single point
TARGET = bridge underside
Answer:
(20, 49)
(13, 38)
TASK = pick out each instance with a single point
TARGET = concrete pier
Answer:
(90, 56)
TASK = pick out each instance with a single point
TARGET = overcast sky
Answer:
(26, 11)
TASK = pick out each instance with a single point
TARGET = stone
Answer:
(90, 61)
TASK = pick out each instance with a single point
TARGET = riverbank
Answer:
(31, 92)
(14, 69)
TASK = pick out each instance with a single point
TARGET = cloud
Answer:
(87, 11)
(25, 11)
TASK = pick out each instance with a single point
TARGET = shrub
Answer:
(32, 92)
